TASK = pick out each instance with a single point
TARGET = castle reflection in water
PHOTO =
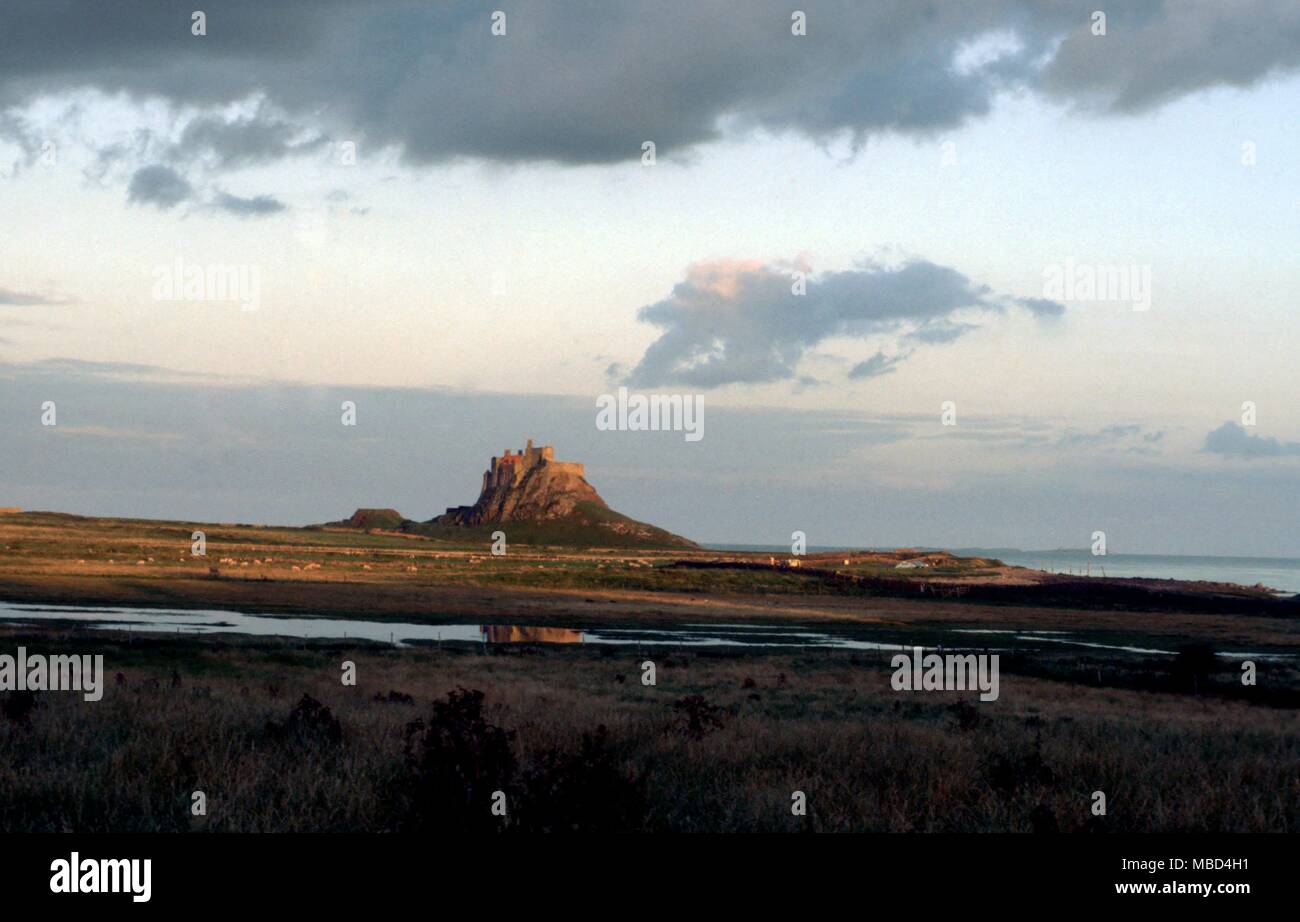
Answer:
(503, 633)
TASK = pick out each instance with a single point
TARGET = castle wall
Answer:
(509, 468)
(568, 467)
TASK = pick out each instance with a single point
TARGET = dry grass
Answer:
(869, 759)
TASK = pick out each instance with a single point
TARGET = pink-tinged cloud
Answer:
(749, 322)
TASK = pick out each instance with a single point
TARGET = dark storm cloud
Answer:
(1233, 441)
(740, 322)
(242, 142)
(207, 144)
(256, 207)
(1155, 52)
(158, 185)
(588, 82)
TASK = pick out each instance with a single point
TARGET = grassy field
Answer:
(576, 741)
(49, 544)
(54, 557)
(571, 736)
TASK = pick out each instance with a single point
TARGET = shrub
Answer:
(394, 697)
(455, 760)
(309, 721)
(581, 791)
(696, 717)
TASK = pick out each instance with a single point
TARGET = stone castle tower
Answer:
(508, 469)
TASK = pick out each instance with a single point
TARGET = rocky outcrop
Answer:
(386, 519)
(531, 488)
(537, 500)
(371, 520)
(534, 488)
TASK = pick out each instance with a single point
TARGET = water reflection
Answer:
(179, 621)
(514, 633)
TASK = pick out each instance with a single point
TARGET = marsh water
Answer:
(203, 621)
(185, 621)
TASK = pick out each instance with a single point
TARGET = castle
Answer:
(508, 469)
(527, 488)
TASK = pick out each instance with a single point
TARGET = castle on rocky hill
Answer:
(508, 469)
(547, 501)
(527, 484)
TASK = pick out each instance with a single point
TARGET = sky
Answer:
(988, 274)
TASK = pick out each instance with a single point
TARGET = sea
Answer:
(1279, 573)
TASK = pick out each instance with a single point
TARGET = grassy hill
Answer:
(590, 526)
